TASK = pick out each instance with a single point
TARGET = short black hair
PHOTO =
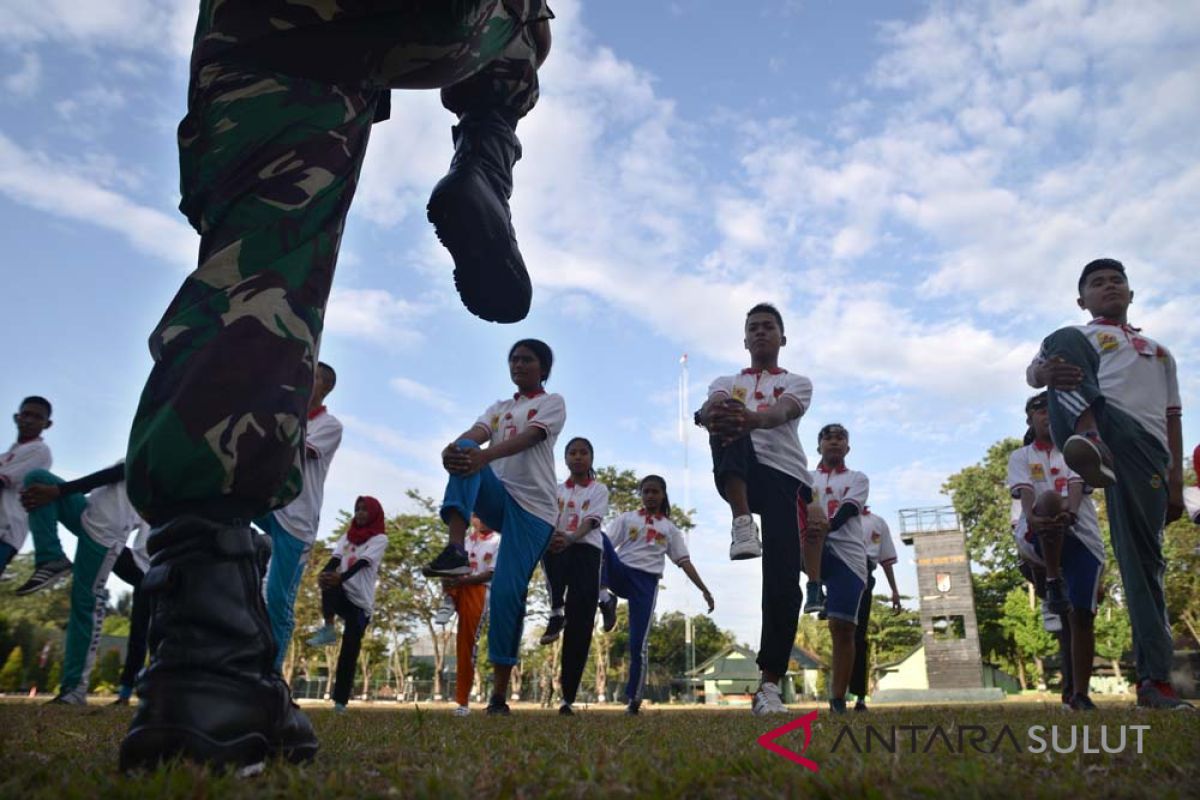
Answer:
(1096, 266)
(767, 308)
(545, 355)
(826, 430)
(1039, 400)
(332, 373)
(38, 400)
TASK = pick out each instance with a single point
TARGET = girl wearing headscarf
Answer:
(348, 590)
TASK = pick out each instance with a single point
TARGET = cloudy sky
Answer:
(916, 185)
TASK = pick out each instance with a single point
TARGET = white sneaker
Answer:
(462, 711)
(767, 700)
(745, 543)
(445, 612)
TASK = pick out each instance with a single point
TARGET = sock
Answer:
(605, 594)
(458, 548)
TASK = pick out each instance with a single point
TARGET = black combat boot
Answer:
(469, 209)
(211, 693)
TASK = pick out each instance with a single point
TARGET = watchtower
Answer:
(951, 633)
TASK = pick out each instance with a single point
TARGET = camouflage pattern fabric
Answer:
(268, 167)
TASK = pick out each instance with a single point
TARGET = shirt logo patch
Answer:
(633, 533)
(739, 394)
(1107, 342)
(1037, 472)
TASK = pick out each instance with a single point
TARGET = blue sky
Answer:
(915, 184)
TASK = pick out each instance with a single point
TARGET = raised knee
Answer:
(42, 476)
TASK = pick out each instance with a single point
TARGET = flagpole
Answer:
(689, 643)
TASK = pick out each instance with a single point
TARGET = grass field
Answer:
(392, 751)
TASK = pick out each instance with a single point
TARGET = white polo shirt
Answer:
(643, 540)
(529, 475)
(1041, 469)
(482, 551)
(1136, 374)
(881, 549)
(1191, 501)
(302, 516)
(835, 487)
(758, 390)
(360, 589)
(109, 517)
(21, 459)
(582, 501)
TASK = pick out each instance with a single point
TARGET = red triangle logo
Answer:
(767, 740)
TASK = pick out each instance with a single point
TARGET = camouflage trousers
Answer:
(269, 162)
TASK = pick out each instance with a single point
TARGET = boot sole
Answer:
(148, 747)
(495, 295)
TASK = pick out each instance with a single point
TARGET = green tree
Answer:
(981, 497)
(107, 671)
(13, 672)
(983, 502)
(890, 636)
(1114, 634)
(1181, 547)
(1022, 621)
(669, 648)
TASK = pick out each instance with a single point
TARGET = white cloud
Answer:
(375, 315)
(127, 24)
(424, 394)
(27, 79)
(34, 179)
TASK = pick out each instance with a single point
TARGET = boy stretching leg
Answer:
(1115, 413)
(759, 466)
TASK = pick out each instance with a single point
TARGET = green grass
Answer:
(390, 751)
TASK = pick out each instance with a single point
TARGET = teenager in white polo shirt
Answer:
(348, 590)
(293, 528)
(1191, 494)
(97, 510)
(30, 452)
(511, 486)
(881, 551)
(634, 548)
(759, 466)
(1034, 470)
(1115, 414)
(572, 566)
(844, 493)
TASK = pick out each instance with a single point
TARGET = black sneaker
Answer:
(1056, 597)
(861, 706)
(450, 563)
(814, 603)
(553, 629)
(496, 707)
(837, 705)
(634, 708)
(1081, 702)
(565, 710)
(45, 575)
(608, 612)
